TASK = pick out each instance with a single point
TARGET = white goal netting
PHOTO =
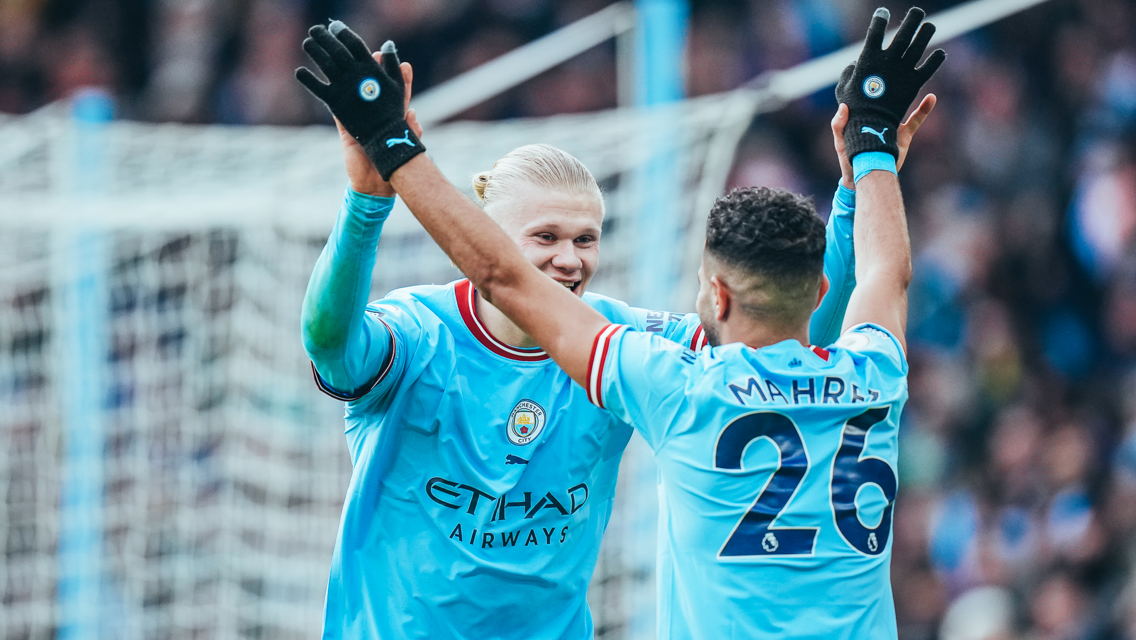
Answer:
(168, 467)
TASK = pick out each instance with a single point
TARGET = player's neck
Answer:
(501, 326)
(758, 335)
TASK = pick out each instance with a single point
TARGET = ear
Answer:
(824, 286)
(723, 298)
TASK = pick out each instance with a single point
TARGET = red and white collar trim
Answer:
(698, 340)
(823, 353)
(467, 306)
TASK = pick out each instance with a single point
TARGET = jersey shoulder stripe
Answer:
(682, 328)
(597, 361)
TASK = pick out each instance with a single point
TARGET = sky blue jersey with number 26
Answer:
(777, 475)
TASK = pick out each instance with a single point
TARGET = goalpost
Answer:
(222, 468)
(170, 470)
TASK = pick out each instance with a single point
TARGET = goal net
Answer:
(168, 467)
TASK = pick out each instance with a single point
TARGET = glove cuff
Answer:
(870, 161)
(870, 133)
(392, 147)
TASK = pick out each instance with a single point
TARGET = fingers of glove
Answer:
(928, 69)
(390, 63)
(845, 79)
(351, 40)
(914, 52)
(875, 40)
(312, 83)
(334, 48)
(320, 57)
(907, 29)
(846, 75)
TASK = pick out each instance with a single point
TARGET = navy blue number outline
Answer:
(757, 516)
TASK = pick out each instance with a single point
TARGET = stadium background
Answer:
(1018, 465)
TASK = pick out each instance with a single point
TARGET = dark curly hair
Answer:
(772, 234)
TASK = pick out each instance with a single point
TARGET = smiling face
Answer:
(559, 233)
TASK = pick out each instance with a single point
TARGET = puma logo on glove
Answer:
(405, 139)
(870, 130)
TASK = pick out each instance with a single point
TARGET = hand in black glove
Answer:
(883, 83)
(368, 99)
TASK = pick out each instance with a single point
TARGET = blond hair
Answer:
(539, 165)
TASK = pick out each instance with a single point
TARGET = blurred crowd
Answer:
(1017, 514)
(231, 61)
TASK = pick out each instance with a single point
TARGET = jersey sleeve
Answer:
(687, 332)
(640, 378)
(681, 328)
(352, 350)
(391, 338)
(839, 267)
(876, 344)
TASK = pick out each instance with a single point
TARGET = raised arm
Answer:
(883, 250)
(839, 254)
(878, 90)
(366, 94)
(346, 351)
(347, 348)
(839, 268)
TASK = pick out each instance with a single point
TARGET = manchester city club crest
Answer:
(369, 89)
(873, 86)
(525, 423)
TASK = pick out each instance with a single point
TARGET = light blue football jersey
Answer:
(483, 479)
(777, 471)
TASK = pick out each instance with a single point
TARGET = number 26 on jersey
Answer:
(755, 536)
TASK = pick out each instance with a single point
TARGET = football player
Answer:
(483, 478)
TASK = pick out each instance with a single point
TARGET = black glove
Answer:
(883, 83)
(368, 99)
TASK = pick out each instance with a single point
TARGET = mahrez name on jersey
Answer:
(826, 390)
